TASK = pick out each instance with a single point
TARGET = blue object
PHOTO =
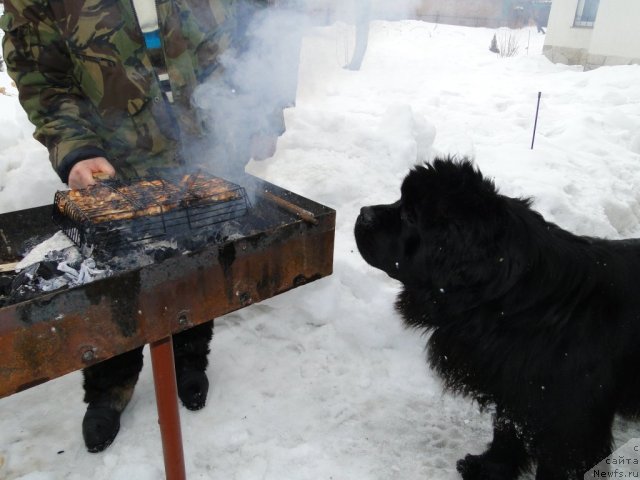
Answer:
(152, 39)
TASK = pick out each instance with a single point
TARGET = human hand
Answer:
(81, 175)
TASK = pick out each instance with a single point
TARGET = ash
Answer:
(144, 254)
(45, 270)
(155, 251)
(57, 263)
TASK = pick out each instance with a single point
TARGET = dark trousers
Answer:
(110, 383)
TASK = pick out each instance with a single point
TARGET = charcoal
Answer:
(47, 269)
(5, 285)
(25, 293)
(162, 253)
(25, 277)
(70, 256)
(193, 243)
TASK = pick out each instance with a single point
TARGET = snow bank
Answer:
(323, 382)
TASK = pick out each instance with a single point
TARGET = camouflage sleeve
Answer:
(38, 61)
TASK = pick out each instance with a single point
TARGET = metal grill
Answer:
(113, 214)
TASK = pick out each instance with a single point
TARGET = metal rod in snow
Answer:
(535, 125)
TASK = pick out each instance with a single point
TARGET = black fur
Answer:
(524, 316)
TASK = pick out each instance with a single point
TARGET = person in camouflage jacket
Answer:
(90, 86)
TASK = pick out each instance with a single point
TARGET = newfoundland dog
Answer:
(525, 317)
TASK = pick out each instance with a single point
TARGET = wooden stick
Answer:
(305, 215)
(8, 267)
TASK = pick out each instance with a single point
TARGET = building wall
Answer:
(613, 40)
(468, 8)
(616, 34)
(561, 30)
(467, 12)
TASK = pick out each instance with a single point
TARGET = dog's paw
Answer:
(479, 467)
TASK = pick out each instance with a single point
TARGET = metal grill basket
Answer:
(114, 214)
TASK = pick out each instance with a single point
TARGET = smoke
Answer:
(242, 106)
(392, 10)
(351, 10)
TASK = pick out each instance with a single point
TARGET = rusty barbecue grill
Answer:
(114, 214)
(282, 242)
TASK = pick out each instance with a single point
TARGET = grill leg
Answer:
(164, 378)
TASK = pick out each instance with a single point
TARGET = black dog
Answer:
(527, 317)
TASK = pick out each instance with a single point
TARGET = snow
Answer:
(323, 382)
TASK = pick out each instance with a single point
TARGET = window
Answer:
(586, 13)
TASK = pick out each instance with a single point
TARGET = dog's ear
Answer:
(448, 190)
(460, 226)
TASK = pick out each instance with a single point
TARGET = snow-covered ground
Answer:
(323, 382)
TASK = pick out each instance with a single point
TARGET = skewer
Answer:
(305, 215)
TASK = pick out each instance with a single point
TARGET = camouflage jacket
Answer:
(87, 83)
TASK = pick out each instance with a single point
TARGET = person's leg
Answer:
(108, 387)
(191, 349)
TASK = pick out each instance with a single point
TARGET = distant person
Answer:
(539, 17)
(539, 24)
(363, 19)
(108, 86)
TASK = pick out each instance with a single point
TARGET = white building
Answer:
(594, 32)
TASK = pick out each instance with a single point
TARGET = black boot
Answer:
(100, 427)
(192, 389)
(108, 388)
(190, 349)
